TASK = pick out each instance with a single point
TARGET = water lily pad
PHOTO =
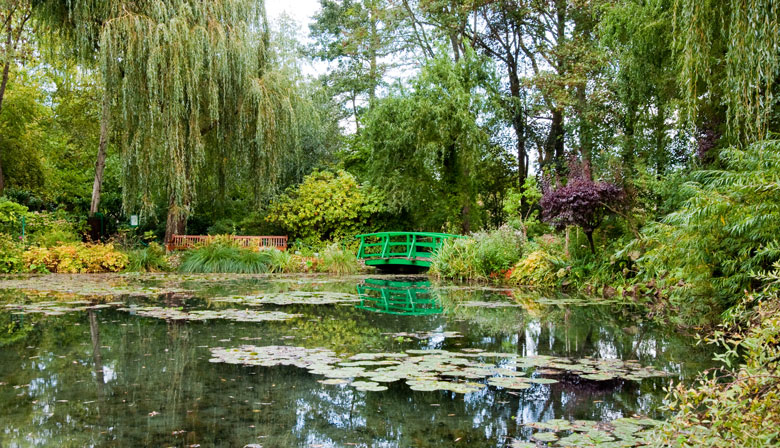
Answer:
(545, 436)
(521, 444)
(202, 315)
(598, 376)
(542, 380)
(368, 386)
(509, 382)
(292, 298)
(333, 381)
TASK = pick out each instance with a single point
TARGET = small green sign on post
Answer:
(133, 220)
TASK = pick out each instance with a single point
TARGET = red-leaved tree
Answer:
(581, 202)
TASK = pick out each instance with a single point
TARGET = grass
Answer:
(149, 259)
(338, 261)
(223, 256)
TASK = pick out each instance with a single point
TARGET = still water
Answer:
(125, 375)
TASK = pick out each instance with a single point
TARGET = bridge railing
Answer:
(411, 245)
(181, 242)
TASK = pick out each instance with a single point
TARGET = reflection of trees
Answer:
(152, 366)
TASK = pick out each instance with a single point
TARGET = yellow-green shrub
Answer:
(75, 258)
(10, 254)
(536, 269)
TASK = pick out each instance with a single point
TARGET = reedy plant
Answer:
(339, 261)
(727, 230)
(148, 259)
(223, 255)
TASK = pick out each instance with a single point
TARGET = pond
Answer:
(311, 361)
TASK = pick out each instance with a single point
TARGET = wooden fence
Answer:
(181, 242)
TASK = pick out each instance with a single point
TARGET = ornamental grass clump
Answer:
(457, 259)
(282, 261)
(148, 259)
(223, 255)
(336, 260)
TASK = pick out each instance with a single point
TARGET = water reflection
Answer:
(108, 378)
(398, 297)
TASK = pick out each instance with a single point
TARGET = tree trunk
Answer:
(589, 234)
(629, 128)
(3, 84)
(177, 220)
(373, 70)
(518, 123)
(100, 163)
(553, 146)
(586, 135)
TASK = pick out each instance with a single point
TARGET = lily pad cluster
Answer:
(623, 432)
(483, 304)
(201, 315)
(55, 308)
(292, 298)
(425, 334)
(429, 370)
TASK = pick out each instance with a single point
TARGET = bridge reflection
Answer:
(410, 297)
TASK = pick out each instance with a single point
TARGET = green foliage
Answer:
(522, 208)
(223, 255)
(11, 251)
(736, 406)
(11, 215)
(456, 259)
(484, 255)
(327, 206)
(726, 230)
(339, 261)
(148, 259)
(538, 268)
(282, 261)
(49, 229)
(75, 258)
(730, 57)
(428, 142)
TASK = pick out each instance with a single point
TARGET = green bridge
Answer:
(398, 249)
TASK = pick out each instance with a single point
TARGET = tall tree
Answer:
(499, 34)
(356, 35)
(730, 59)
(14, 33)
(428, 142)
(188, 77)
(637, 36)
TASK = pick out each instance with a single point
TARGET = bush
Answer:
(735, 406)
(10, 217)
(75, 258)
(538, 268)
(499, 250)
(456, 258)
(336, 260)
(485, 255)
(148, 259)
(50, 229)
(727, 230)
(11, 254)
(326, 207)
(54, 237)
(223, 255)
(281, 261)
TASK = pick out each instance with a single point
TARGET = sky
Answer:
(299, 10)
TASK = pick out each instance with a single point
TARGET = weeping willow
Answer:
(192, 82)
(730, 53)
